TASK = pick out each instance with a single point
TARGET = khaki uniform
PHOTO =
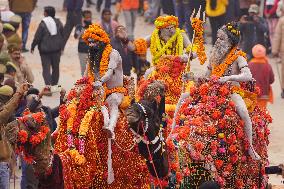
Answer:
(278, 45)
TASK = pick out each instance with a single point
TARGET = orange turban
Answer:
(259, 51)
(95, 32)
(165, 21)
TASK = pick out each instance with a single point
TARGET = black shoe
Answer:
(282, 94)
(24, 50)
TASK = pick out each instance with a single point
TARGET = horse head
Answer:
(145, 121)
(33, 140)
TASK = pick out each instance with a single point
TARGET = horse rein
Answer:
(143, 138)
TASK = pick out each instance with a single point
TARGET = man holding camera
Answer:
(254, 30)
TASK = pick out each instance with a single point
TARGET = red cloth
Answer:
(272, 10)
(263, 74)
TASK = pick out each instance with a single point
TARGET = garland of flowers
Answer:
(197, 26)
(219, 70)
(165, 21)
(84, 127)
(72, 110)
(169, 70)
(103, 64)
(25, 136)
(209, 130)
(97, 33)
(159, 48)
(140, 46)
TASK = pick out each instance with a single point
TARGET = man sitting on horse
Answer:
(229, 64)
(105, 69)
(166, 39)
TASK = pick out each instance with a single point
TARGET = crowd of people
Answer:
(261, 35)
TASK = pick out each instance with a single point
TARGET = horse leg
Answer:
(243, 113)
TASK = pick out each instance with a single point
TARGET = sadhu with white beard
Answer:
(229, 63)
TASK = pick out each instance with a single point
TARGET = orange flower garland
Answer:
(95, 32)
(169, 70)
(86, 121)
(78, 158)
(72, 109)
(219, 70)
(140, 46)
(165, 21)
(197, 26)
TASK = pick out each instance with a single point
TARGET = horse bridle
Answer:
(143, 138)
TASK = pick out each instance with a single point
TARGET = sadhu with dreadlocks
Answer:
(105, 69)
(229, 64)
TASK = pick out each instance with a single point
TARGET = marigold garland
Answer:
(165, 21)
(72, 109)
(31, 137)
(140, 46)
(95, 32)
(174, 46)
(219, 70)
(77, 157)
(86, 121)
(169, 70)
(197, 26)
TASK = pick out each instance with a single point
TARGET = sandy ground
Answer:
(70, 72)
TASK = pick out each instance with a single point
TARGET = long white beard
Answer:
(219, 52)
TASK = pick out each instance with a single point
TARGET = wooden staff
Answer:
(187, 68)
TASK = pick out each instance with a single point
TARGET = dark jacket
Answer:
(233, 11)
(253, 33)
(46, 42)
(128, 57)
(51, 113)
(82, 46)
(74, 5)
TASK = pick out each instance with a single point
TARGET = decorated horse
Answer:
(81, 161)
(218, 132)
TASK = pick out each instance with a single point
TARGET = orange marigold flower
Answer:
(224, 91)
(233, 149)
(35, 140)
(199, 146)
(216, 114)
(219, 163)
(179, 176)
(211, 130)
(203, 89)
(174, 166)
(23, 136)
(140, 46)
